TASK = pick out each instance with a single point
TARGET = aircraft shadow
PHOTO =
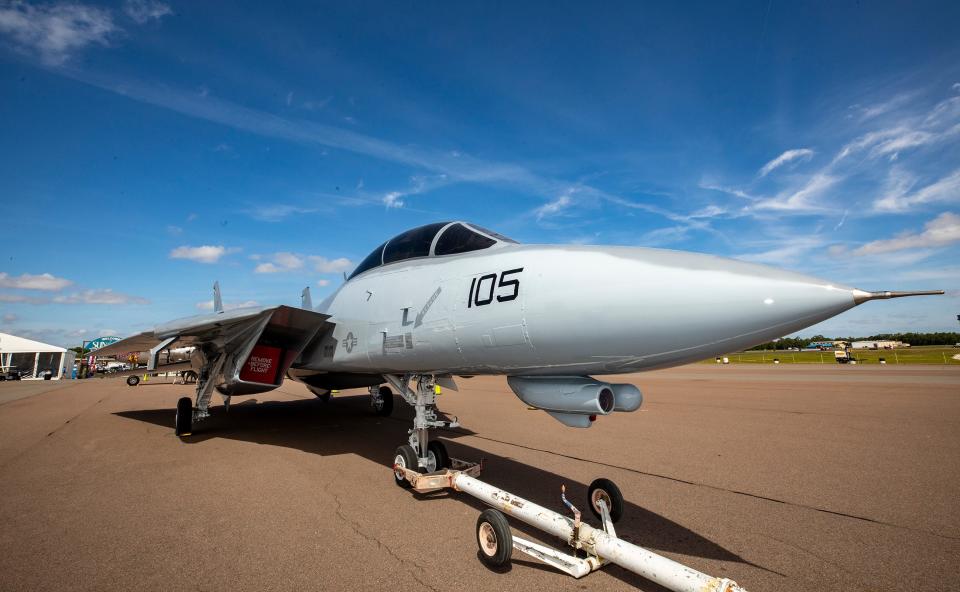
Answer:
(346, 425)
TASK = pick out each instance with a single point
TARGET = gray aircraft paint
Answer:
(579, 310)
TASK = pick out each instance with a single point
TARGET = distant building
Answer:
(32, 359)
(879, 344)
(825, 345)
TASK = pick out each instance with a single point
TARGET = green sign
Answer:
(101, 342)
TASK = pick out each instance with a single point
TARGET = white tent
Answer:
(33, 357)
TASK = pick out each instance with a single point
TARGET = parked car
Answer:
(13, 374)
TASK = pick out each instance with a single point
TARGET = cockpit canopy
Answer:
(432, 240)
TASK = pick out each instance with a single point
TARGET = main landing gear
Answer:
(419, 454)
(381, 400)
(189, 415)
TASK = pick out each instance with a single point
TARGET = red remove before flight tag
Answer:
(261, 365)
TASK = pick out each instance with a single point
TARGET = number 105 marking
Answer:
(482, 293)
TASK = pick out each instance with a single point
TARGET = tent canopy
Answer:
(11, 344)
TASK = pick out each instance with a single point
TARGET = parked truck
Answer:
(843, 356)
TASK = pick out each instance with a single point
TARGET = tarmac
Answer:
(779, 477)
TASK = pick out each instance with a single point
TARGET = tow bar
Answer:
(600, 545)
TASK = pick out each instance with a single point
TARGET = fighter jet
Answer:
(453, 299)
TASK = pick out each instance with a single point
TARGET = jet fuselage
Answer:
(561, 310)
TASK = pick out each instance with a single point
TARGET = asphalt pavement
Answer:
(780, 477)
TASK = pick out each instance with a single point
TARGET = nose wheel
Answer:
(406, 457)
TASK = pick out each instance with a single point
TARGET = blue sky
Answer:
(151, 147)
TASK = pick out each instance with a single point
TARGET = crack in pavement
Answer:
(355, 527)
(55, 430)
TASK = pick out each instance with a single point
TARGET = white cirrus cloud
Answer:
(324, 265)
(786, 157)
(899, 197)
(939, 232)
(735, 191)
(552, 208)
(105, 296)
(201, 254)
(804, 198)
(323, 283)
(938, 126)
(710, 211)
(142, 11)
(27, 281)
(9, 318)
(785, 253)
(208, 304)
(276, 212)
(443, 167)
(55, 31)
(893, 103)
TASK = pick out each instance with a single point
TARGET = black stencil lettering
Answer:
(515, 284)
(493, 282)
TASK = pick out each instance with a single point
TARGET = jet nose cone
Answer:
(733, 302)
(641, 308)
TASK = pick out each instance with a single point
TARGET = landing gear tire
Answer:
(439, 452)
(133, 380)
(494, 538)
(606, 490)
(406, 457)
(184, 423)
(383, 405)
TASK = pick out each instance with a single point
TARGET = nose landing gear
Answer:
(419, 454)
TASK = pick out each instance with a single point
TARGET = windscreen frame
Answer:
(415, 249)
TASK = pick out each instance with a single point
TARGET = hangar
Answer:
(32, 358)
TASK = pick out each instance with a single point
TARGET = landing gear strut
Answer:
(419, 454)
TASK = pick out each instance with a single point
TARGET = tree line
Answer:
(938, 338)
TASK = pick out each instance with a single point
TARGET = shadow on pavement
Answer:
(346, 426)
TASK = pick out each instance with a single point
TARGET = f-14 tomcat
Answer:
(454, 299)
